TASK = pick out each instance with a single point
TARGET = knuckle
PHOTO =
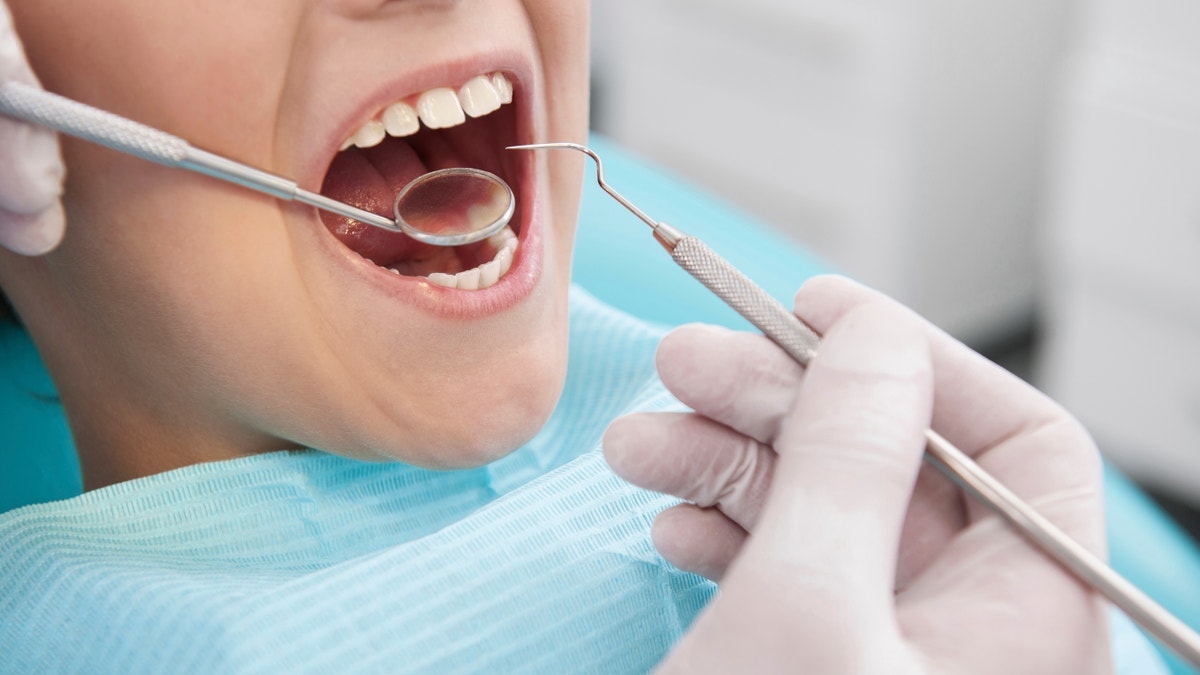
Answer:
(748, 477)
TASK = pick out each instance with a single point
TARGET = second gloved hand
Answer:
(836, 549)
(31, 168)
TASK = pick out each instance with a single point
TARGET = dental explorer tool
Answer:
(448, 207)
(801, 342)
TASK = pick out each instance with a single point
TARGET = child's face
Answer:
(184, 316)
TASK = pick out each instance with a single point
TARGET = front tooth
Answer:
(468, 280)
(370, 135)
(489, 274)
(504, 260)
(479, 97)
(440, 279)
(439, 108)
(503, 87)
(399, 119)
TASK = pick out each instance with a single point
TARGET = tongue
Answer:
(370, 179)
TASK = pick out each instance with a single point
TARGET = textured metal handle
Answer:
(73, 118)
(747, 298)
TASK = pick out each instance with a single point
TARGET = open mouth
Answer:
(438, 129)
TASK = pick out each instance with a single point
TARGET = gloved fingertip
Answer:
(689, 333)
(31, 178)
(33, 235)
(668, 540)
(700, 541)
(617, 440)
(824, 285)
(824, 299)
(679, 350)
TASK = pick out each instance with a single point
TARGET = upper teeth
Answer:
(437, 108)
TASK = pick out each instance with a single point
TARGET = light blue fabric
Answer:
(306, 562)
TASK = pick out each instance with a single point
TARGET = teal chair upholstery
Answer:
(618, 261)
(37, 456)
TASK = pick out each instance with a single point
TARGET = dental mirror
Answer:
(448, 207)
(451, 207)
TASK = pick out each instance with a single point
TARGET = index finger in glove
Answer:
(741, 380)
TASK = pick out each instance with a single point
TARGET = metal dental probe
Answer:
(465, 204)
(801, 342)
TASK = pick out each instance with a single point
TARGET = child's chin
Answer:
(471, 448)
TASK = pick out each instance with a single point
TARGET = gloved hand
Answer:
(836, 550)
(31, 169)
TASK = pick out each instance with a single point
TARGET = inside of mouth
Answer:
(370, 178)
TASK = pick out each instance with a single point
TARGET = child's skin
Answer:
(186, 320)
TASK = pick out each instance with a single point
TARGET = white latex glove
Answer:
(836, 549)
(31, 168)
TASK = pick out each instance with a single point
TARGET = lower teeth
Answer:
(487, 274)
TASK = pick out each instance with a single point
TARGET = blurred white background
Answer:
(1021, 172)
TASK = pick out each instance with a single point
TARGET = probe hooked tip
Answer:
(599, 174)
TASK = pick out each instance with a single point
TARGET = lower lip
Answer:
(444, 302)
